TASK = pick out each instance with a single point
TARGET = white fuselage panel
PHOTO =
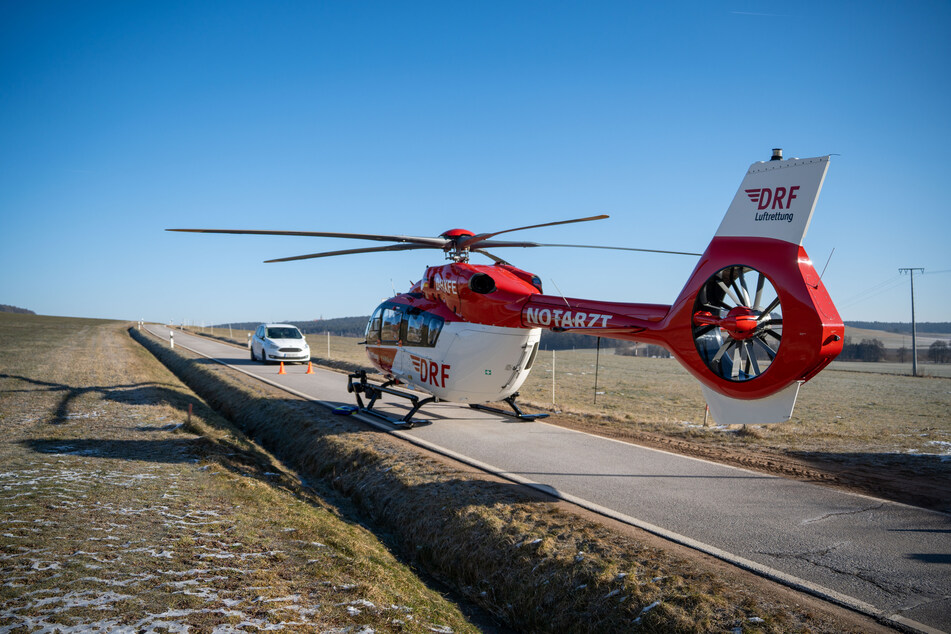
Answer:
(471, 363)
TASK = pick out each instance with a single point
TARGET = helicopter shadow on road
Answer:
(390, 407)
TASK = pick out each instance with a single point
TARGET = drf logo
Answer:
(769, 196)
(430, 371)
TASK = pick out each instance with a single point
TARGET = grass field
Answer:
(940, 370)
(116, 512)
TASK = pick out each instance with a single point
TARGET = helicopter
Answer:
(752, 323)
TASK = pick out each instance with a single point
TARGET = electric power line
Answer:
(878, 289)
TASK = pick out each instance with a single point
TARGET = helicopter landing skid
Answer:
(374, 392)
(516, 413)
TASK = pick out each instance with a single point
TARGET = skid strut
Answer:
(374, 392)
(516, 410)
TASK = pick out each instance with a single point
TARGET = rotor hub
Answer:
(454, 249)
(737, 323)
(740, 322)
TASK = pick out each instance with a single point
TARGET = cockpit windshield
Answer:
(395, 325)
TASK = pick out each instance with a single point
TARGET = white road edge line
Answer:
(821, 592)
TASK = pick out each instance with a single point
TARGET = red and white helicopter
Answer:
(752, 323)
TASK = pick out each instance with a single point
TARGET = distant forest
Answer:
(342, 326)
(4, 308)
(938, 327)
(356, 326)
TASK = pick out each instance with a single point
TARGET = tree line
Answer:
(342, 326)
(940, 327)
(872, 350)
(939, 352)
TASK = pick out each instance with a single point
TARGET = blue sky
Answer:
(119, 120)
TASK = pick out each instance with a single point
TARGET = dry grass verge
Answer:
(527, 560)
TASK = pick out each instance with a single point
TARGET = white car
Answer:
(279, 342)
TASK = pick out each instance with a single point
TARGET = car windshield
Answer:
(283, 333)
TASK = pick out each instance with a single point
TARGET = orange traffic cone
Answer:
(310, 367)
(281, 371)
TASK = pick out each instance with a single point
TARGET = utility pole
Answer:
(914, 342)
(597, 365)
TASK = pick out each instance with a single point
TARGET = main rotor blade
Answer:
(491, 244)
(423, 240)
(494, 258)
(468, 242)
(327, 254)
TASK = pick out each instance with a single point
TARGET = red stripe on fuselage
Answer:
(382, 357)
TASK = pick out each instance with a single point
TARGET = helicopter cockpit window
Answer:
(422, 329)
(416, 329)
(390, 326)
(373, 327)
(434, 325)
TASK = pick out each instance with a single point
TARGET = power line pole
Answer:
(914, 339)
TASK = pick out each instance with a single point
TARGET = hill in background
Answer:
(4, 308)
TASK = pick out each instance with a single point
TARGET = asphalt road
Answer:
(879, 557)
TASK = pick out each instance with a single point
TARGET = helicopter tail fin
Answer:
(754, 320)
(777, 408)
(776, 199)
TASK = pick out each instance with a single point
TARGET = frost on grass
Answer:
(141, 563)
